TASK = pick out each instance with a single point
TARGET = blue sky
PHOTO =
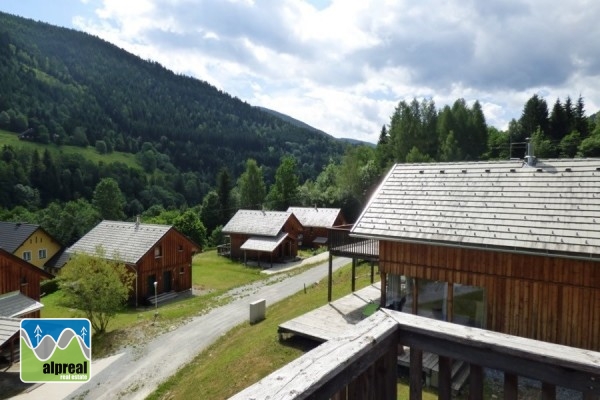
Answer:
(344, 65)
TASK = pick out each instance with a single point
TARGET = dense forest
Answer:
(106, 135)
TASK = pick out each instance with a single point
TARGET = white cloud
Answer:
(342, 66)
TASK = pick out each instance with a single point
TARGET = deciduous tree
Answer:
(96, 285)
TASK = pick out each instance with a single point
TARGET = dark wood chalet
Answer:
(155, 253)
(19, 287)
(255, 234)
(19, 298)
(512, 247)
(316, 222)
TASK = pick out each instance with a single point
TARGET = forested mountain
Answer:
(68, 87)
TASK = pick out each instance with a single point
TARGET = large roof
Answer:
(256, 222)
(122, 241)
(316, 217)
(13, 234)
(550, 208)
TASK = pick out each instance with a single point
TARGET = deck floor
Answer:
(331, 320)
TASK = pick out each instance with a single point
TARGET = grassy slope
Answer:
(90, 153)
(250, 352)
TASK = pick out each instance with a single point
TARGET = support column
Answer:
(445, 378)
(416, 372)
(353, 274)
(329, 277)
(372, 272)
(383, 300)
(475, 382)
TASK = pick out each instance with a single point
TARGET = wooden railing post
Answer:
(475, 382)
(445, 378)
(511, 386)
(416, 374)
(548, 391)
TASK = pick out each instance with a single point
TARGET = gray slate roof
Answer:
(13, 234)
(315, 217)
(15, 304)
(262, 243)
(122, 241)
(256, 222)
(8, 328)
(553, 207)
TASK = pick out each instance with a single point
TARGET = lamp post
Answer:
(155, 300)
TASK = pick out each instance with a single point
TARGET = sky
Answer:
(343, 66)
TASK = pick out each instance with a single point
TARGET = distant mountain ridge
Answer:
(72, 87)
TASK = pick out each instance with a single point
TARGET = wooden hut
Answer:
(316, 222)
(255, 233)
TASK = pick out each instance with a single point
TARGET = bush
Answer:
(49, 286)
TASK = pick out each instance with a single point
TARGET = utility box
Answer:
(258, 309)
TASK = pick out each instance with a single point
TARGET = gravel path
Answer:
(137, 372)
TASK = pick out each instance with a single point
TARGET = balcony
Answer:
(362, 363)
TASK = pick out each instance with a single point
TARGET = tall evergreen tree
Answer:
(224, 196)
(558, 126)
(534, 116)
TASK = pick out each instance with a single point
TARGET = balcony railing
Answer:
(362, 364)
(342, 244)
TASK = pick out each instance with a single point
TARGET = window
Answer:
(42, 254)
(158, 251)
(27, 255)
(180, 248)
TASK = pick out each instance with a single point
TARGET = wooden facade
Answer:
(540, 297)
(169, 263)
(16, 274)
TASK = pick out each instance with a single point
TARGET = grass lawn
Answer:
(212, 275)
(90, 153)
(250, 352)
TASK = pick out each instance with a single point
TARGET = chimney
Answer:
(529, 157)
(137, 221)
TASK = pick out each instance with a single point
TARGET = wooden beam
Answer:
(372, 272)
(383, 298)
(565, 366)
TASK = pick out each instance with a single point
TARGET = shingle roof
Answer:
(316, 217)
(8, 328)
(256, 222)
(262, 243)
(124, 241)
(16, 304)
(553, 207)
(13, 234)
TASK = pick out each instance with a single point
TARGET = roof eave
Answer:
(503, 249)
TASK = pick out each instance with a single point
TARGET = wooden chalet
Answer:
(155, 253)
(29, 242)
(19, 298)
(254, 234)
(512, 247)
(316, 222)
